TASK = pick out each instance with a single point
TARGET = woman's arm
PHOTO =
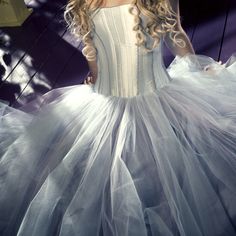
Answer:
(93, 70)
(176, 49)
(89, 53)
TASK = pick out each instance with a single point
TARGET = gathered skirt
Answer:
(77, 162)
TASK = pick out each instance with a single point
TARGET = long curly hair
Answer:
(162, 20)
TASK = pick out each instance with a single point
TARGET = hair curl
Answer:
(162, 20)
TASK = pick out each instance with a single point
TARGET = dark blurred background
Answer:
(41, 54)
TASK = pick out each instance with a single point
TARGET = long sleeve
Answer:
(178, 50)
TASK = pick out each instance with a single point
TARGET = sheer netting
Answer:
(145, 151)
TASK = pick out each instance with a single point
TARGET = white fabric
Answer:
(144, 152)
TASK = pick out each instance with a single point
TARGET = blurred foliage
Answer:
(4, 2)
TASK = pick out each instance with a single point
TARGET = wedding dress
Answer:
(145, 151)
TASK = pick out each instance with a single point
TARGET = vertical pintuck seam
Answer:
(138, 68)
(107, 56)
(153, 74)
(112, 77)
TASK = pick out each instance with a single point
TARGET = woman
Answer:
(137, 149)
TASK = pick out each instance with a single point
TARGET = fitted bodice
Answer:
(124, 69)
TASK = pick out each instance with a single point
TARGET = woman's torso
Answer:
(124, 69)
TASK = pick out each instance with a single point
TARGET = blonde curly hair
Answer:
(162, 20)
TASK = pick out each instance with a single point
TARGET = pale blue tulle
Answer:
(163, 163)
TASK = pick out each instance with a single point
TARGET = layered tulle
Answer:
(162, 163)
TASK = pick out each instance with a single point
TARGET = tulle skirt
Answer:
(163, 163)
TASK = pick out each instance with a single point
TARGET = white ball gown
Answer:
(145, 151)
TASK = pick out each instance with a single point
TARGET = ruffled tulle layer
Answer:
(162, 163)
